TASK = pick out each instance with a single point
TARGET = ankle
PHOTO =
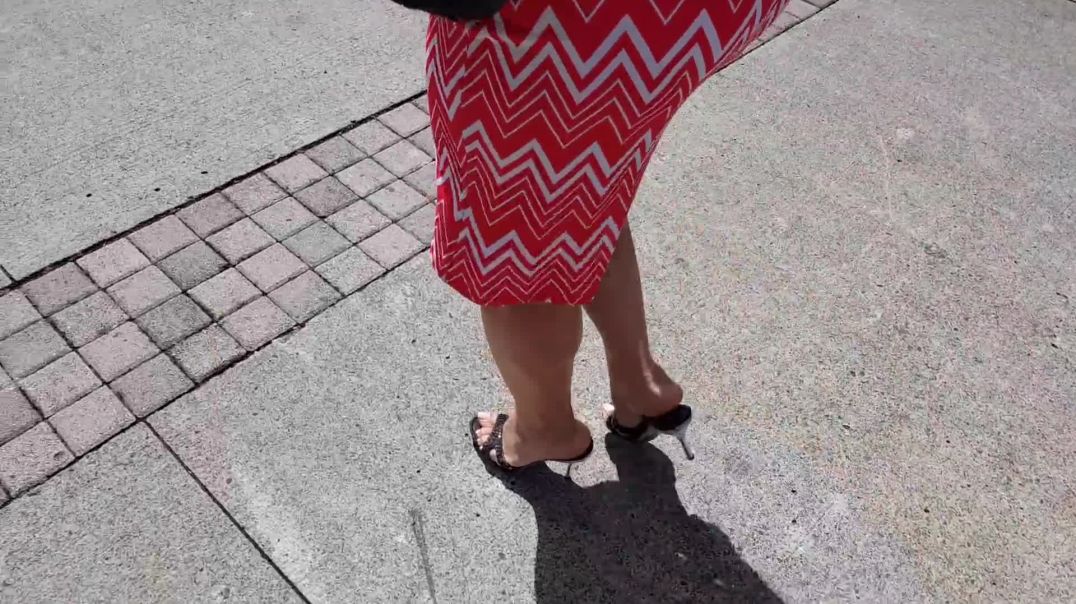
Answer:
(649, 392)
(540, 430)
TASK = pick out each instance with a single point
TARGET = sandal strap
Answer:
(630, 433)
(498, 426)
(496, 439)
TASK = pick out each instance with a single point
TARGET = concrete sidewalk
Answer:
(860, 252)
(117, 111)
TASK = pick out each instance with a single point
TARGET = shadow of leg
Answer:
(631, 540)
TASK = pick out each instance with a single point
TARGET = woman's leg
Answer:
(534, 347)
(639, 385)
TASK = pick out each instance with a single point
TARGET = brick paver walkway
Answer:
(104, 339)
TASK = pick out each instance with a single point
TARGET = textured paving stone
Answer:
(257, 323)
(91, 420)
(224, 293)
(350, 270)
(801, 9)
(4, 282)
(192, 265)
(163, 237)
(113, 262)
(118, 351)
(149, 386)
(358, 221)
(295, 173)
(316, 243)
(210, 215)
(59, 288)
(391, 246)
(83, 322)
(335, 154)
(284, 218)
(403, 158)
(326, 196)
(16, 312)
(365, 177)
(420, 224)
(143, 290)
(371, 137)
(406, 119)
(424, 180)
(272, 267)
(424, 140)
(422, 105)
(254, 193)
(5, 379)
(240, 241)
(821, 3)
(31, 457)
(16, 414)
(59, 383)
(172, 321)
(205, 352)
(397, 200)
(28, 350)
(304, 296)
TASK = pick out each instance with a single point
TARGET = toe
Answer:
(484, 426)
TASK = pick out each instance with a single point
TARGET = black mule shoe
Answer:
(639, 433)
(672, 423)
(495, 443)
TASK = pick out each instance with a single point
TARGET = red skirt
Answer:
(544, 120)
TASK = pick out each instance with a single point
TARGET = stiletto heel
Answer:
(681, 435)
(568, 472)
(675, 423)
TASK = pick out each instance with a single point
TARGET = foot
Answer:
(522, 448)
(651, 394)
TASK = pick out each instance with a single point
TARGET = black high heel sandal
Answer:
(495, 443)
(672, 423)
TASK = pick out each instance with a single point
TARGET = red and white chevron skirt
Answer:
(545, 119)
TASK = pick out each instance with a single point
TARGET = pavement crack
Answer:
(418, 528)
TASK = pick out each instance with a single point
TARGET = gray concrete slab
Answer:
(343, 449)
(878, 269)
(866, 296)
(115, 111)
(127, 524)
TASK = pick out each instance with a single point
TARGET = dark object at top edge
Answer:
(460, 10)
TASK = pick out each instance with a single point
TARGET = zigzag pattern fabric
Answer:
(544, 120)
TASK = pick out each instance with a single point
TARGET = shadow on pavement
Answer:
(630, 540)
